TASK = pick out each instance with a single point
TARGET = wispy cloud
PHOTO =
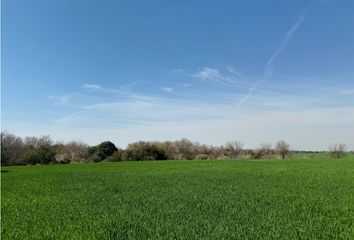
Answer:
(122, 91)
(208, 73)
(139, 120)
(92, 87)
(215, 75)
(167, 89)
(62, 99)
(233, 71)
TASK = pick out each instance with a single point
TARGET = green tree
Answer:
(106, 149)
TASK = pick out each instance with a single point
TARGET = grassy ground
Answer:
(307, 197)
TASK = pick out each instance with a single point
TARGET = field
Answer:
(305, 197)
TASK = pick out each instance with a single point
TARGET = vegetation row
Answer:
(43, 150)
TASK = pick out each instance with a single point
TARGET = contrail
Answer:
(245, 98)
(268, 70)
(269, 66)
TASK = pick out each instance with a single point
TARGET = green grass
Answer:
(306, 197)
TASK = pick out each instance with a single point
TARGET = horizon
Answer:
(250, 71)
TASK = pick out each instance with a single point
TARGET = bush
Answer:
(141, 151)
(202, 157)
(255, 154)
(337, 150)
(115, 157)
(29, 157)
(264, 151)
(169, 148)
(94, 158)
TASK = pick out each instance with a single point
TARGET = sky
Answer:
(253, 71)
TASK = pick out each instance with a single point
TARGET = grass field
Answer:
(306, 197)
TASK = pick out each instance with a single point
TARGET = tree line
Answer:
(43, 150)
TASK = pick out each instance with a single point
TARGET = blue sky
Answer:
(211, 71)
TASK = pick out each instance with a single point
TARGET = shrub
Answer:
(116, 156)
(94, 158)
(141, 151)
(29, 157)
(255, 154)
(169, 148)
(337, 150)
(264, 151)
(202, 157)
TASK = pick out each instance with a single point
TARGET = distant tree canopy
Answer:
(42, 150)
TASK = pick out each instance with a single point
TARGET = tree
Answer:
(106, 149)
(282, 149)
(72, 152)
(337, 150)
(185, 149)
(12, 147)
(45, 150)
(233, 149)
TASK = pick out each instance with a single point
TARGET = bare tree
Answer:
(337, 150)
(266, 150)
(12, 147)
(233, 149)
(185, 149)
(282, 149)
(72, 152)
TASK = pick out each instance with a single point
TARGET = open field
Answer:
(306, 197)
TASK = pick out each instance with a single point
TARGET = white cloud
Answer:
(228, 79)
(62, 99)
(167, 89)
(208, 73)
(92, 87)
